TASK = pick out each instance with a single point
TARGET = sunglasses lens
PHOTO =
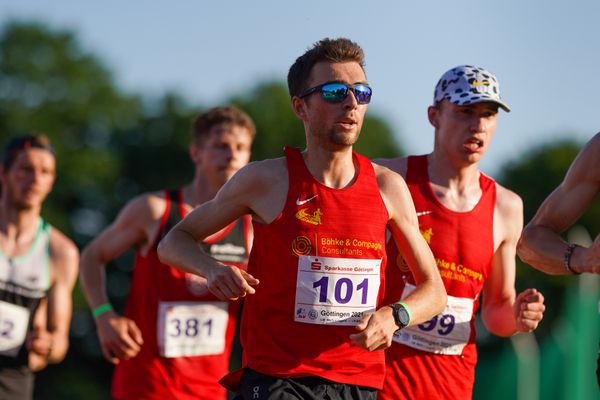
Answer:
(363, 94)
(334, 92)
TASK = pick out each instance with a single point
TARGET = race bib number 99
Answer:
(446, 333)
(335, 291)
(13, 328)
(188, 329)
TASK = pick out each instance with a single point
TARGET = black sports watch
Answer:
(401, 315)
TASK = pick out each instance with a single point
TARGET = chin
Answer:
(26, 205)
(474, 158)
(343, 139)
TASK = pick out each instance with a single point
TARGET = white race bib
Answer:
(192, 329)
(446, 333)
(335, 291)
(14, 320)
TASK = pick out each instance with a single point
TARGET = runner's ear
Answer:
(432, 114)
(299, 107)
(194, 152)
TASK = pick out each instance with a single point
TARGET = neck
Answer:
(445, 173)
(457, 188)
(199, 191)
(17, 226)
(334, 169)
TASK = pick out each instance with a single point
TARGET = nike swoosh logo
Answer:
(421, 213)
(300, 202)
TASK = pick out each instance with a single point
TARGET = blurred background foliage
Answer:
(113, 145)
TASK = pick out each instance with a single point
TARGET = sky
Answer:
(546, 54)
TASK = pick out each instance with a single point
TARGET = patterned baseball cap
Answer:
(467, 84)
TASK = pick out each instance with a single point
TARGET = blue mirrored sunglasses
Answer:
(336, 92)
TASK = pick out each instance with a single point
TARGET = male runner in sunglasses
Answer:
(541, 245)
(312, 318)
(175, 337)
(38, 268)
(472, 225)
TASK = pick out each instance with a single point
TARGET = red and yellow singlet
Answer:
(321, 264)
(436, 359)
(187, 331)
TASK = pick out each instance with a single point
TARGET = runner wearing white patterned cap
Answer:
(467, 84)
(472, 225)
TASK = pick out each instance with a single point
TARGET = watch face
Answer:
(401, 315)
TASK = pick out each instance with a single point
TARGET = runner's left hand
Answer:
(376, 330)
(529, 310)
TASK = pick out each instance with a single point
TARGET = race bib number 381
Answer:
(335, 291)
(192, 329)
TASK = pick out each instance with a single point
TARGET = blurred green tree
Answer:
(48, 83)
(535, 176)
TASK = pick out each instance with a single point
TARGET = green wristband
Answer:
(101, 309)
(410, 317)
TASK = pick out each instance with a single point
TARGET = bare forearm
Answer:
(426, 301)
(180, 250)
(543, 249)
(92, 280)
(499, 319)
(60, 311)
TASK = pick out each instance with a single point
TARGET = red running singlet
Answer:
(187, 331)
(436, 360)
(320, 264)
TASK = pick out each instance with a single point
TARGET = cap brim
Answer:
(500, 103)
(503, 106)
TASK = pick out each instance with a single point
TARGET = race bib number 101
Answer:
(335, 291)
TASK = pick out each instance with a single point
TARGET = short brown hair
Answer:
(22, 143)
(220, 115)
(332, 50)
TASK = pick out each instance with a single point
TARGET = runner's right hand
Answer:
(230, 283)
(120, 337)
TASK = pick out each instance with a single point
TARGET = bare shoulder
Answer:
(259, 177)
(508, 203)
(593, 145)
(394, 192)
(260, 188)
(596, 140)
(585, 167)
(387, 178)
(64, 258)
(273, 168)
(398, 164)
(148, 206)
(141, 213)
(136, 224)
(61, 247)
